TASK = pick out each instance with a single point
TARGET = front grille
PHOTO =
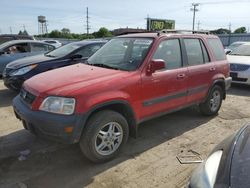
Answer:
(239, 67)
(27, 96)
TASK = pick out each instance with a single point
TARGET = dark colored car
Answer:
(228, 165)
(20, 70)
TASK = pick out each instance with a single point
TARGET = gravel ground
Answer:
(148, 161)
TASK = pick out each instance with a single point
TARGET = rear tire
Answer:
(105, 134)
(213, 102)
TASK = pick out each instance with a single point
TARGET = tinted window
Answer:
(194, 51)
(217, 48)
(170, 52)
(17, 48)
(35, 47)
(205, 54)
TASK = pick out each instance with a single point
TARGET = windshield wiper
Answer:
(102, 65)
(48, 55)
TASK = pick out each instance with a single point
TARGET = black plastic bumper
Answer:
(49, 125)
(13, 83)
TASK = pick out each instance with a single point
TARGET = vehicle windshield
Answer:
(242, 50)
(122, 53)
(234, 45)
(63, 51)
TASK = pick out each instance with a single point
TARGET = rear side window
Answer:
(170, 52)
(217, 48)
(194, 51)
(205, 53)
(36, 47)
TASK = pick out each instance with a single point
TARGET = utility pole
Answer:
(198, 25)
(10, 30)
(229, 36)
(194, 9)
(87, 21)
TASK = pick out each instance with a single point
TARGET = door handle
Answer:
(181, 76)
(211, 69)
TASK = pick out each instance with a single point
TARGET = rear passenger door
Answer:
(200, 69)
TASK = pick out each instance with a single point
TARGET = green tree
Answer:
(240, 30)
(221, 31)
(65, 31)
(102, 32)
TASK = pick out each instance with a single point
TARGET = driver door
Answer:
(166, 89)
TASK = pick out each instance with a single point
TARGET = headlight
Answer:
(58, 105)
(23, 70)
(212, 165)
(205, 175)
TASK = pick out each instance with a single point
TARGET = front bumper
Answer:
(49, 125)
(13, 82)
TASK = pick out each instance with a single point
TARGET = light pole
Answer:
(194, 9)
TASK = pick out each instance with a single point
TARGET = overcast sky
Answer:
(116, 13)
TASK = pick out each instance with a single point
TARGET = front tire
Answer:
(213, 102)
(105, 134)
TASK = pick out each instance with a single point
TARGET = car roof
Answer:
(12, 42)
(86, 42)
(155, 35)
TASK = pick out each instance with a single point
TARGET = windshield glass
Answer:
(243, 50)
(63, 51)
(122, 53)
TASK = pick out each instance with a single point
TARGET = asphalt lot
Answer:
(148, 161)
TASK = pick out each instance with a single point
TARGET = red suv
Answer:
(131, 79)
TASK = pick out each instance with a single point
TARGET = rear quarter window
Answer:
(217, 49)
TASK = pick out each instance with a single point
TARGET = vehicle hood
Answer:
(67, 80)
(239, 59)
(240, 168)
(29, 61)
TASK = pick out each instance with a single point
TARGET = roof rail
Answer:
(184, 31)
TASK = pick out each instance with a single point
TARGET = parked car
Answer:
(239, 61)
(227, 165)
(20, 70)
(234, 45)
(8, 37)
(55, 43)
(17, 49)
(131, 79)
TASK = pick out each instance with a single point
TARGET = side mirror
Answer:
(155, 65)
(76, 56)
(228, 51)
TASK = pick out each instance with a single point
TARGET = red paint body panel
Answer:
(91, 86)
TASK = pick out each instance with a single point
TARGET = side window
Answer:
(194, 51)
(217, 48)
(36, 47)
(18, 48)
(169, 51)
(205, 53)
(88, 51)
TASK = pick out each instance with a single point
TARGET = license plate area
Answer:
(234, 74)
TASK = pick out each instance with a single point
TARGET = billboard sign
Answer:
(159, 24)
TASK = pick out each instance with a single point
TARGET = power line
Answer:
(194, 9)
